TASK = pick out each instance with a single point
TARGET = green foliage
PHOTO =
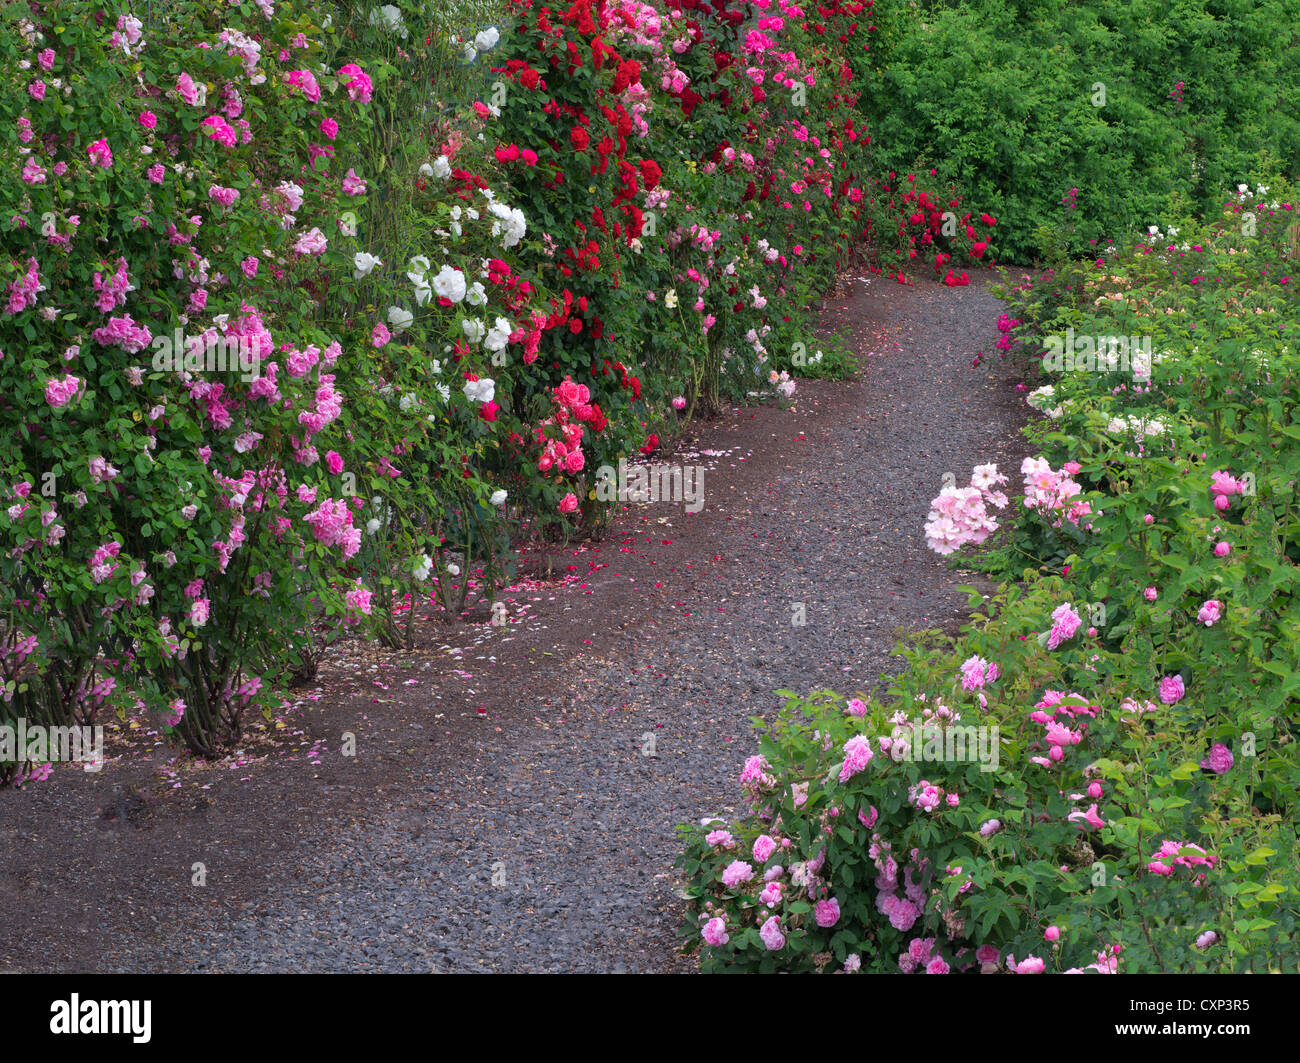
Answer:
(1006, 99)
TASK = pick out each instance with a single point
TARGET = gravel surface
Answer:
(547, 845)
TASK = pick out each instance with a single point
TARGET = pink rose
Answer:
(737, 872)
(1172, 689)
(357, 82)
(61, 392)
(100, 154)
(715, 932)
(189, 91)
(1220, 759)
(828, 913)
(771, 934)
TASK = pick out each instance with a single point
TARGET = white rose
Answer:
(364, 263)
(499, 335)
(498, 497)
(480, 390)
(477, 294)
(442, 167)
(487, 39)
(450, 284)
(390, 18)
(474, 330)
(419, 267)
(400, 319)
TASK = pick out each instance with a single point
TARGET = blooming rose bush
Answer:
(208, 422)
(1139, 814)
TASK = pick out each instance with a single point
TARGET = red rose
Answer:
(650, 445)
(579, 138)
(650, 174)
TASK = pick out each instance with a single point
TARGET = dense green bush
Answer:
(1000, 95)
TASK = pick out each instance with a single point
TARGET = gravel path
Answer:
(549, 844)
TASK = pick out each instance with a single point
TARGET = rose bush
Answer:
(1130, 695)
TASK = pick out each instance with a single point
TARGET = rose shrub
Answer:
(1131, 694)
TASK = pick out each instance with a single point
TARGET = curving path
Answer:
(536, 836)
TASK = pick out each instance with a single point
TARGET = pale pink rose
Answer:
(737, 872)
(771, 934)
(715, 932)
